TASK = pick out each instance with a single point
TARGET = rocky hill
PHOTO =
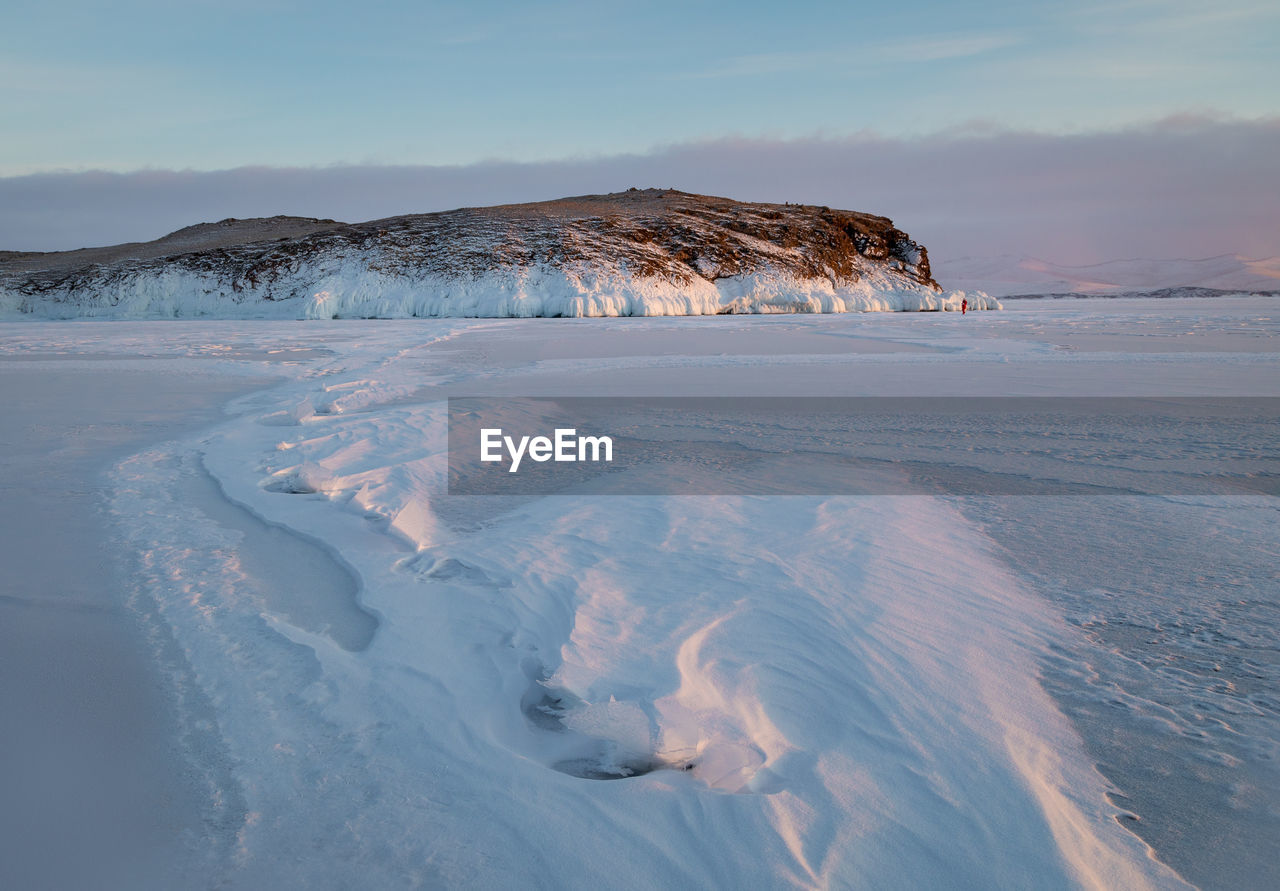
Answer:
(639, 252)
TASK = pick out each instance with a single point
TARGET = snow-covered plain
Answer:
(635, 691)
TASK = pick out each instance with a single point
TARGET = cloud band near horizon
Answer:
(1182, 187)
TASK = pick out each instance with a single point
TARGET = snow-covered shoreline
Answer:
(349, 289)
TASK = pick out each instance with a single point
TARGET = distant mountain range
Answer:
(1010, 276)
(639, 252)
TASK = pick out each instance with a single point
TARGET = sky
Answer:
(450, 92)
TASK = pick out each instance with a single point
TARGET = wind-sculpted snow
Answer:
(636, 253)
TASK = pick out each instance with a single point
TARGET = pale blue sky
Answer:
(213, 85)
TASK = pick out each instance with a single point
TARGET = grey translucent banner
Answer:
(864, 446)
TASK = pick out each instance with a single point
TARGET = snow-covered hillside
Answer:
(1007, 275)
(635, 253)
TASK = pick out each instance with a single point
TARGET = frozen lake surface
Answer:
(339, 657)
(96, 789)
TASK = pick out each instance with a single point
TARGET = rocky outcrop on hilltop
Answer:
(640, 252)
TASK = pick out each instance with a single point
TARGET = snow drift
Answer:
(635, 253)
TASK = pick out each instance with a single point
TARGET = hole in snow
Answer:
(594, 741)
(290, 484)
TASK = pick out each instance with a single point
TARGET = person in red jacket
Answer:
(964, 306)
